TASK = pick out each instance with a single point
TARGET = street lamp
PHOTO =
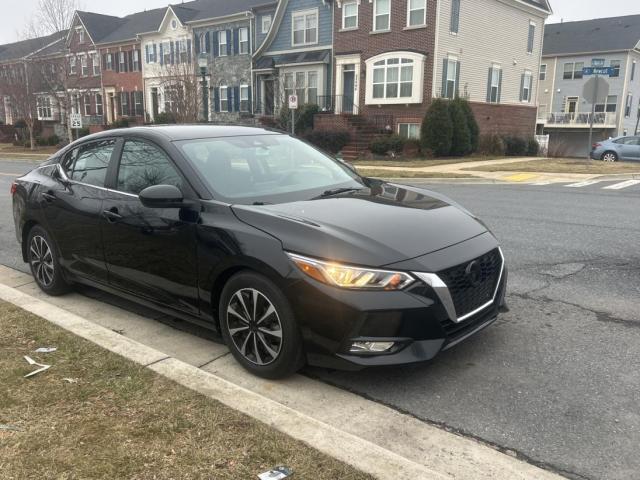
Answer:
(203, 63)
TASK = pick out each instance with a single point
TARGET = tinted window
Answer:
(144, 165)
(89, 163)
(628, 141)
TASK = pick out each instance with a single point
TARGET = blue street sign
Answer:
(605, 71)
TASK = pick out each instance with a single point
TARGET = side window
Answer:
(89, 163)
(144, 165)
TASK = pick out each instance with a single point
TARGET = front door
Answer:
(572, 106)
(150, 252)
(72, 207)
(348, 88)
(269, 97)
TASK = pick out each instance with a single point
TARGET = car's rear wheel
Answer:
(610, 157)
(44, 263)
(259, 328)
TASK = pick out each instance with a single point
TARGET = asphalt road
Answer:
(557, 379)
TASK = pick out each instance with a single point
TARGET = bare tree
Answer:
(51, 16)
(182, 92)
(18, 88)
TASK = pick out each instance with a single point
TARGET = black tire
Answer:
(609, 156)
(254, 329)
(43, 261)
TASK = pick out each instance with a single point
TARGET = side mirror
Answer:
(163, 196)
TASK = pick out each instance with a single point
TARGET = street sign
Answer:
(595, 90)
(293, 102)
(606, 71)
(76, 120)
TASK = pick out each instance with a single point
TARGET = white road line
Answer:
(620, 186)
(586, 183)
(541, 184)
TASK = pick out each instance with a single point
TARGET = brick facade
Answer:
(519, 120)
(122, 82)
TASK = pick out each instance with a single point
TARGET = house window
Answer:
(96, 64)
(138, 99)
(45, 112)
(633, 71)
(610, 107)
(87, 105)
(244, 40)
(573, 70)
(84, 64)
(152, 53)
(166, 53)
(393, 78)
(495, 77)
(122, 60)
(615, 64)
(577, 70)
(124, 104)
(99, 104)
(183, 52)
(136, 60)
(80, 35)
(266, 24)
(288, 85)
(312, 88)
(222, 42)
(627, 108)
(527, 82)
(416, 13)
(381, 15)
(305, 27)
(454, 25)
(543, 72)
(409, 130)
(202, 40)
(301, 86)
(451, 78)
(532, 36)
(72, 65)
(224, 99)
(350, 15)
(244, 98)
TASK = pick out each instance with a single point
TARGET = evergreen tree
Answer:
(461, 138)
(474, 129)
(437, 130)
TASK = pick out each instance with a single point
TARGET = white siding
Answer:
(491, 31)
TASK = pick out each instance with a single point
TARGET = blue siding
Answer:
(283, 39)
(258, 26)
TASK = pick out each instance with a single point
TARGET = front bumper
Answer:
(416, 320)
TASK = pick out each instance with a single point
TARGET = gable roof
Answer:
(543, 4)
(211, 9)
(599, 35)
(98, 25)
(137, 23)
(19, 50)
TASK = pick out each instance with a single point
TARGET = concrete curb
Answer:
(342, 425)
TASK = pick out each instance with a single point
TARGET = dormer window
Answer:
(80, 35)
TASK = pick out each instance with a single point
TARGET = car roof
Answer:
(187, 132)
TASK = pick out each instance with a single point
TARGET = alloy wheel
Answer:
(254, 326)
(42, 260)
(609, 157)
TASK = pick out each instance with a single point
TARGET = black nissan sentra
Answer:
(286, 252)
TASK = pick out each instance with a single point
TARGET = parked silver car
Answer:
(614, 149)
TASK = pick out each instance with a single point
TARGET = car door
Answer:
(629, 148)
(150, 252)
(72, 206)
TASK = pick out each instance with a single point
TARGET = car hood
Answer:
(376, 226)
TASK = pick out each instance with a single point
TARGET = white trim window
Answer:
(109, 61)
(84, 66)
(244, 98)
(266, 24)
(395, 78)
(381, 15)
(416, 13)
(182, 51)
(494, 84)
(223, 46)
(543, 72)
(350, 15)
(312, 88)
(288, 85)
(527, 84)
(166, 53)
(451, 78)
(72, 65)
(305, 27)
(45, 111)
(95, 59)
(202, 41)
(80, 31)
(136, 60)
(122, 61)
(99, 111)
(224, 98)
(87, 104)
(409, 130)
(532, 37)
(243, 36)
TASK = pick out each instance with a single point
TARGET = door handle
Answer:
(48, 197)
(112, 215)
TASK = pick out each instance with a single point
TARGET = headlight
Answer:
(344, 276)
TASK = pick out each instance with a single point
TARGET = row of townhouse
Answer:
(565, 114)
(380, 62)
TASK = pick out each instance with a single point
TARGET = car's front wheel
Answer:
(44, 264)
(610, 157)
(259, 327)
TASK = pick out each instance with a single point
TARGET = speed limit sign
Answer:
(293, 102)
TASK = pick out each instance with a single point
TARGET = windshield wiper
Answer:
(338, 191)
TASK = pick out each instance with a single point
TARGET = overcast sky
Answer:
(13, 18)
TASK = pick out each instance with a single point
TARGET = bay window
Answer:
(395, 77)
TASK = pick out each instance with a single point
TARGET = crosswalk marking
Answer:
(621, 185)
(586, 183)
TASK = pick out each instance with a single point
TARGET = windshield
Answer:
(266, 168)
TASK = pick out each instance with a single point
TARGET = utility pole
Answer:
(593, 114)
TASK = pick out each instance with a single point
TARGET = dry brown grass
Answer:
(420, 162)
(121, 420)
(379, 173)
(563, 165)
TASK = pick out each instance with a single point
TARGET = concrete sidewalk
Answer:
(371, 437)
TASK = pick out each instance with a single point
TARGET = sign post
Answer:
(293, 106)
(595, 89)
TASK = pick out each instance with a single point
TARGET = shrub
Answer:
(332, 142)
(304, 118)
(411, 148)
(165, 118)
(491, 145)
(533, 147)
(41, 142)
(53, 140)
(268, 122)
(437, 129)
(122, 123)
(474, 129)
(461, 138)
(386, 144)
(515, 146)
(83, 132)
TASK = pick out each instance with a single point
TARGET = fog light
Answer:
(371, 347)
